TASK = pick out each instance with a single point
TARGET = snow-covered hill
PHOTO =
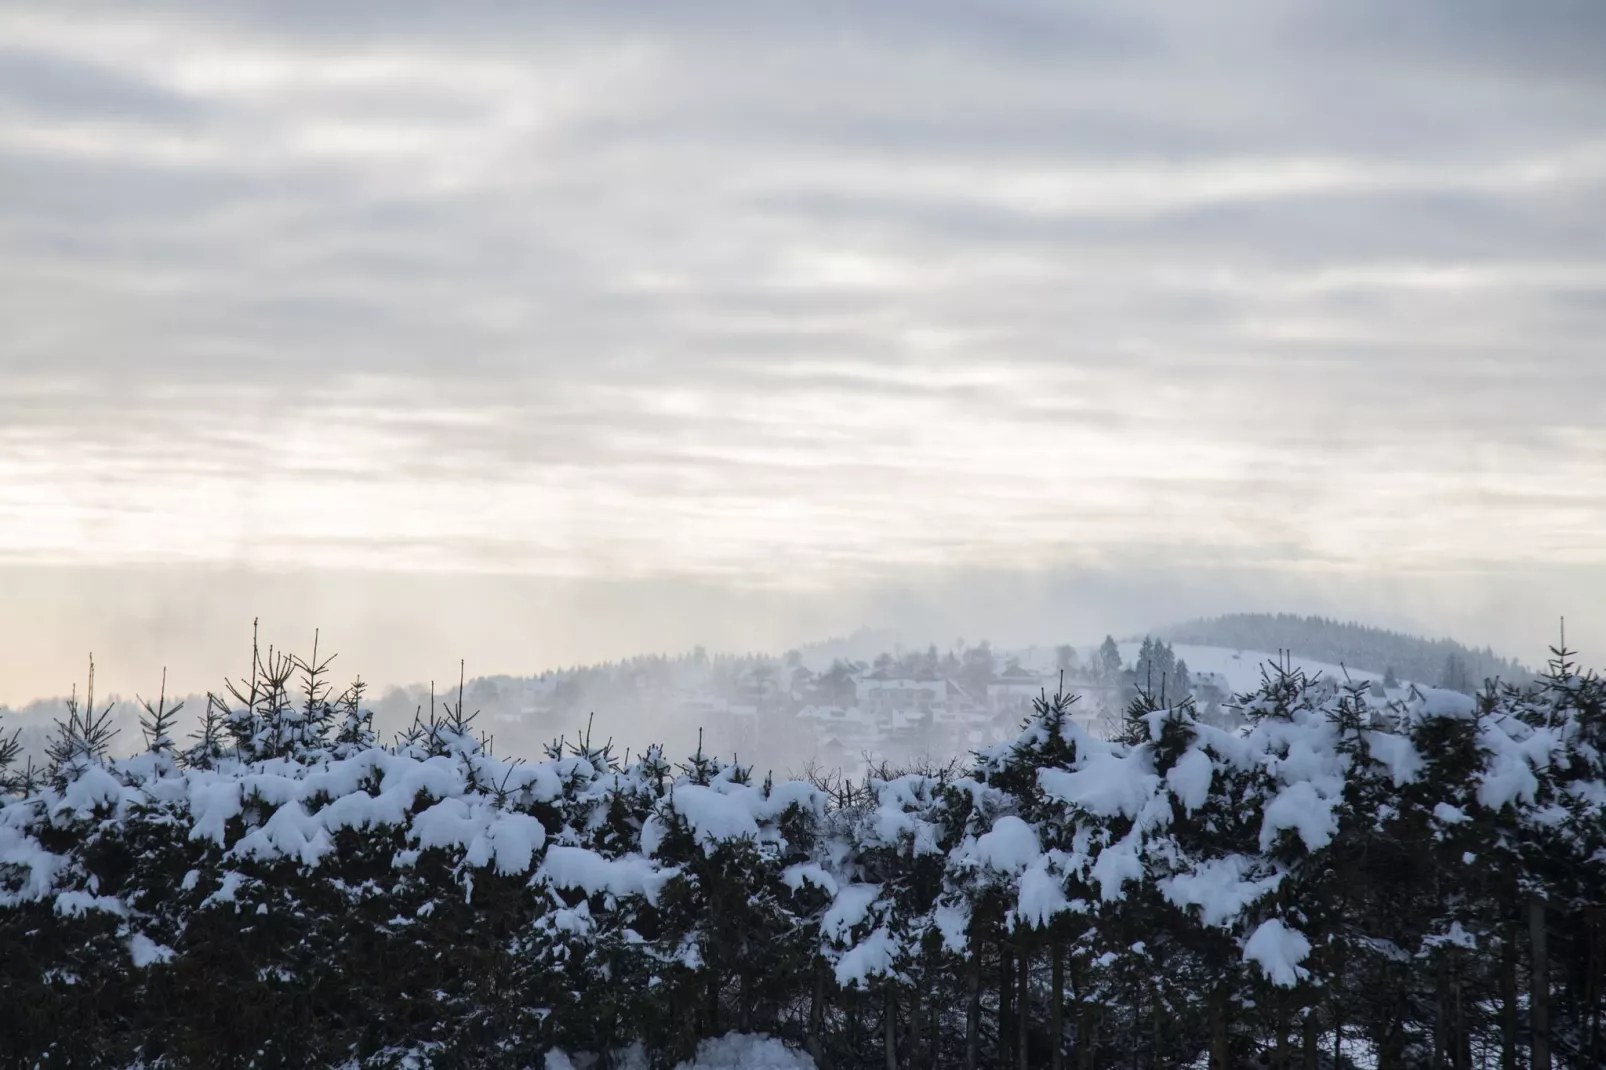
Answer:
(1241, 668)
(1237, 670)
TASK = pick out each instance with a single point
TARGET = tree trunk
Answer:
(1056, 1010)
(712, 1000)
(1087, 1037)
(912, 1048)
(816, 1039)
(1508, 999)
(973, 1012)
(1156, 1030)
(1461, 1058)
(1006, 991)
(1137, 1014)
(1023, 1008)
(1441, 1034)
(1539, 985)
(1220, 1043)
(1311, 1055)
(1592, 932)
(889, 1026)
(1391, 1052)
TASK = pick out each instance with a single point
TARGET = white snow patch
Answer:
(746, 1051)
(870, 957)
(1010, 846)
(851, 906)
(77, 904)
(578, 867)
(1108, 784)
(1190, 779)
(1218, 887)
(147, 952)
(1118, 863)
(1278, 950)
(794, 877)
(1450, 815)
(1042, 894)
(1300, 807)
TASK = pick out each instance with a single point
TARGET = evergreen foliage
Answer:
(1336, 881)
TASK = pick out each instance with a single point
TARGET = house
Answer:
(1014, 690)
(831, 715)
(536, 695)
(881, 693)
(1210, 689)
(702, 709)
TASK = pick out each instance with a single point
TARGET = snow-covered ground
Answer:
(734, 1051)
(1241, 668)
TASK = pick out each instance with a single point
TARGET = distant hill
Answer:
(1436, 662)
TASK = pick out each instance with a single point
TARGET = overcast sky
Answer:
(735, 321)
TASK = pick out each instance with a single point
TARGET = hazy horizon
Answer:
(404, 629)
(537, 336)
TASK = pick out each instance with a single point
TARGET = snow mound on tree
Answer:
(747, 1051)
(1279, 950)
(733, 1051)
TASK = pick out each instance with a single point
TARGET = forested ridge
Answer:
(1416, 883)
(1440, 662)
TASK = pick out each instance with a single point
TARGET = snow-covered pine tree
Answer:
(10, 751)
(156, 725)
(209, 735)
(1045, 921)
(356, 731)
(83, 739)
(1109, 660)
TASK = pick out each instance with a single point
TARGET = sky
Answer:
(540, 334)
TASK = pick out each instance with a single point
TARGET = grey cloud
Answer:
(1555, 43)
(648, 270)
(37, 85)
(1009, 28)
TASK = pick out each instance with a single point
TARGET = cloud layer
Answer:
(804, 295)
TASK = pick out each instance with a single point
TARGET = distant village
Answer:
(799, 709)
(828, 706)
